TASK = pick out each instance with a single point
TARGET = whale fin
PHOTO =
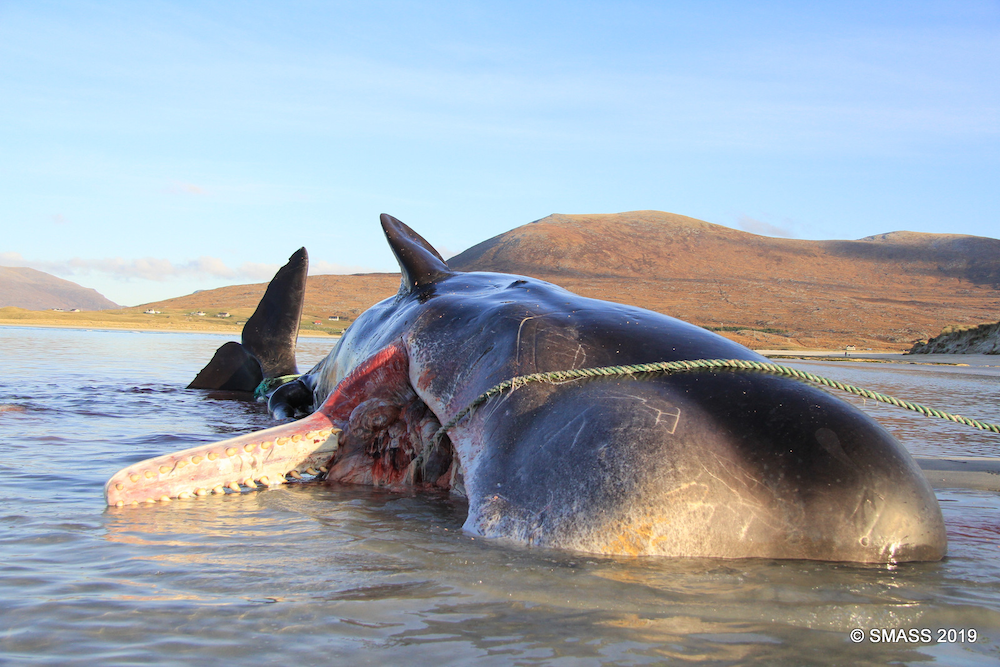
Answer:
(231, 369)
(419, 262)
(269, 336)
(270, 333)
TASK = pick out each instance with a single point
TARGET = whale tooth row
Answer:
(232, 487)
(311, 446)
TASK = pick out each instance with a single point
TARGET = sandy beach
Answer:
(134, 320)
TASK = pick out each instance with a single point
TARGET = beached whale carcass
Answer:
(716, 463)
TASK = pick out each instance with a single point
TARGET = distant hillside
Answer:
(37, 290)
(325, 295)
(883, 292)
(666, 245)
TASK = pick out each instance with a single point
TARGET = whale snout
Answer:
(835, 484)
(869, 497)
(708, 466)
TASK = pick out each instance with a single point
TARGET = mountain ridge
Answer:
(23, 287)
(884, 292)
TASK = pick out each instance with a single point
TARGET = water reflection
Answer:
(313, 575)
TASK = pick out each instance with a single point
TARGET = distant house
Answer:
(150, 311)
(199, 313)
(317, 322)
(223, 315)
(335, 318)
(850, 348)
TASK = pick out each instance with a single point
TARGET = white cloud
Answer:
(163, 270)
(144, 268)
(754, 226)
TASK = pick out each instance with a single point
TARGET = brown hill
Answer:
(36, 290)
(345, 297)
(882, 292)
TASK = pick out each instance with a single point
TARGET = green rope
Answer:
(668, 367)
(268, 384)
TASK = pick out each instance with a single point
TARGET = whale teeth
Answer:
(264, 480)
(282, 441)
(212, 456)
(311, 471)
(134, 477)
(249, 483)
(164, 470)
(181, 463)
(120, 503)
(265, 445)
(296, 438)
(322, 469)
(231, 451)
(234, 486)
(201, 492)
(184, 495)
(249, 447)
(219, 489)
(196, 459)
(149, 474)
(120, 486)
(165, 499)
(294, 474)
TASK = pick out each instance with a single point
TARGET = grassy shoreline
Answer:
(134, 320)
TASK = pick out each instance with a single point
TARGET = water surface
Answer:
(308, 575)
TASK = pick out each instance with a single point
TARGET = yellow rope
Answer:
(668, 367)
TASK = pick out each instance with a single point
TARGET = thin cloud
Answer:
(158, 269)
(178, 188)
(754, 226)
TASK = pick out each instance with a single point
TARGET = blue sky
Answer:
(150, 149)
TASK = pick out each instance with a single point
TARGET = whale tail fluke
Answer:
(268, 347)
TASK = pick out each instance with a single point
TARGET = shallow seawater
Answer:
(309, 575)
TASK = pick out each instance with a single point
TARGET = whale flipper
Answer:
(268, 348)
(231, 369)
(270, 333)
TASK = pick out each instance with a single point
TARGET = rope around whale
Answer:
(669, 367)
(267, 385)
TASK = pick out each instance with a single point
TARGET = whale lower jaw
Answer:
(268, 458)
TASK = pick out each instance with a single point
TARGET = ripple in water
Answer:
(310, 575)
